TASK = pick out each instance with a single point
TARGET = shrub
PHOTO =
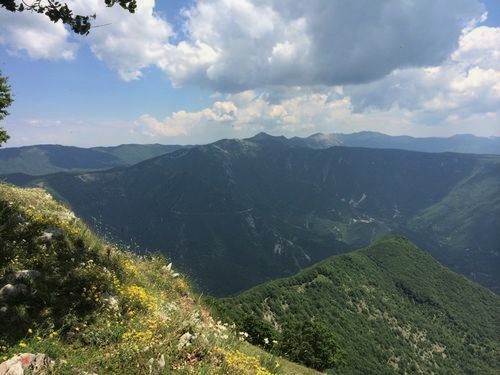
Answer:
(312, 344)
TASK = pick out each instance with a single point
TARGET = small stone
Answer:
(46, 237)
(40, 364)
(112, 301)
(185, 340)
(10, 291)
(26, 274)
(50, 234)
(167, 268)
(161, 362)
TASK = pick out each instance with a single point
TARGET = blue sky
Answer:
(197, 71)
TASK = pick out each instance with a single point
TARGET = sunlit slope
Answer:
(393, 308)
(92, 308)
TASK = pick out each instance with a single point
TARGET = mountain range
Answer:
(44, 159)
(236, 213)
(463, 143)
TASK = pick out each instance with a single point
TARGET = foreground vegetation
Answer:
(391, 307)
(93, 308)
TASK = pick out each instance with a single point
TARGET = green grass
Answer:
(284, 365)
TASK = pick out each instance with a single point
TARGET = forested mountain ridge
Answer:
(45, 159)
(391, 306)
(236, 213)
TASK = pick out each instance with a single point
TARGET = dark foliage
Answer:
(5, 101)
(57, 11)
(312, 344)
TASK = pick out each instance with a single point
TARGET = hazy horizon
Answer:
(8, 145)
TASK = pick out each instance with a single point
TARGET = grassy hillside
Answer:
(93, 308)
(237, 213)
(393, 308)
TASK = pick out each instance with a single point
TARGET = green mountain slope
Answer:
(468, 218)
(93, 308)
(393, 308)
(236, 213)
(46, 159)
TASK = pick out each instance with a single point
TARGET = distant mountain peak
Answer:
(262, 136)
(319, 135)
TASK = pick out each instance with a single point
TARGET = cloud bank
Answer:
(236, 45)
(462, 93)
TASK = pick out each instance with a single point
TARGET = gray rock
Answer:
(46, 237)
(113, 303)
(10, 291)
(185, 340)
(50, 234)
(41, 364)
(36, 364)
(161, 362)
(26, 275)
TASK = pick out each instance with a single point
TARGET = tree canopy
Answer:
(56, 11)
(5, 101)
(312, 344)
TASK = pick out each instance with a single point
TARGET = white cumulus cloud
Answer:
(467, 83)
(256, 43)
(126, 42)
(460, 96)
(36, 36)
(235, 45)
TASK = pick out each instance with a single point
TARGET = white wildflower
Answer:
(161, 361)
